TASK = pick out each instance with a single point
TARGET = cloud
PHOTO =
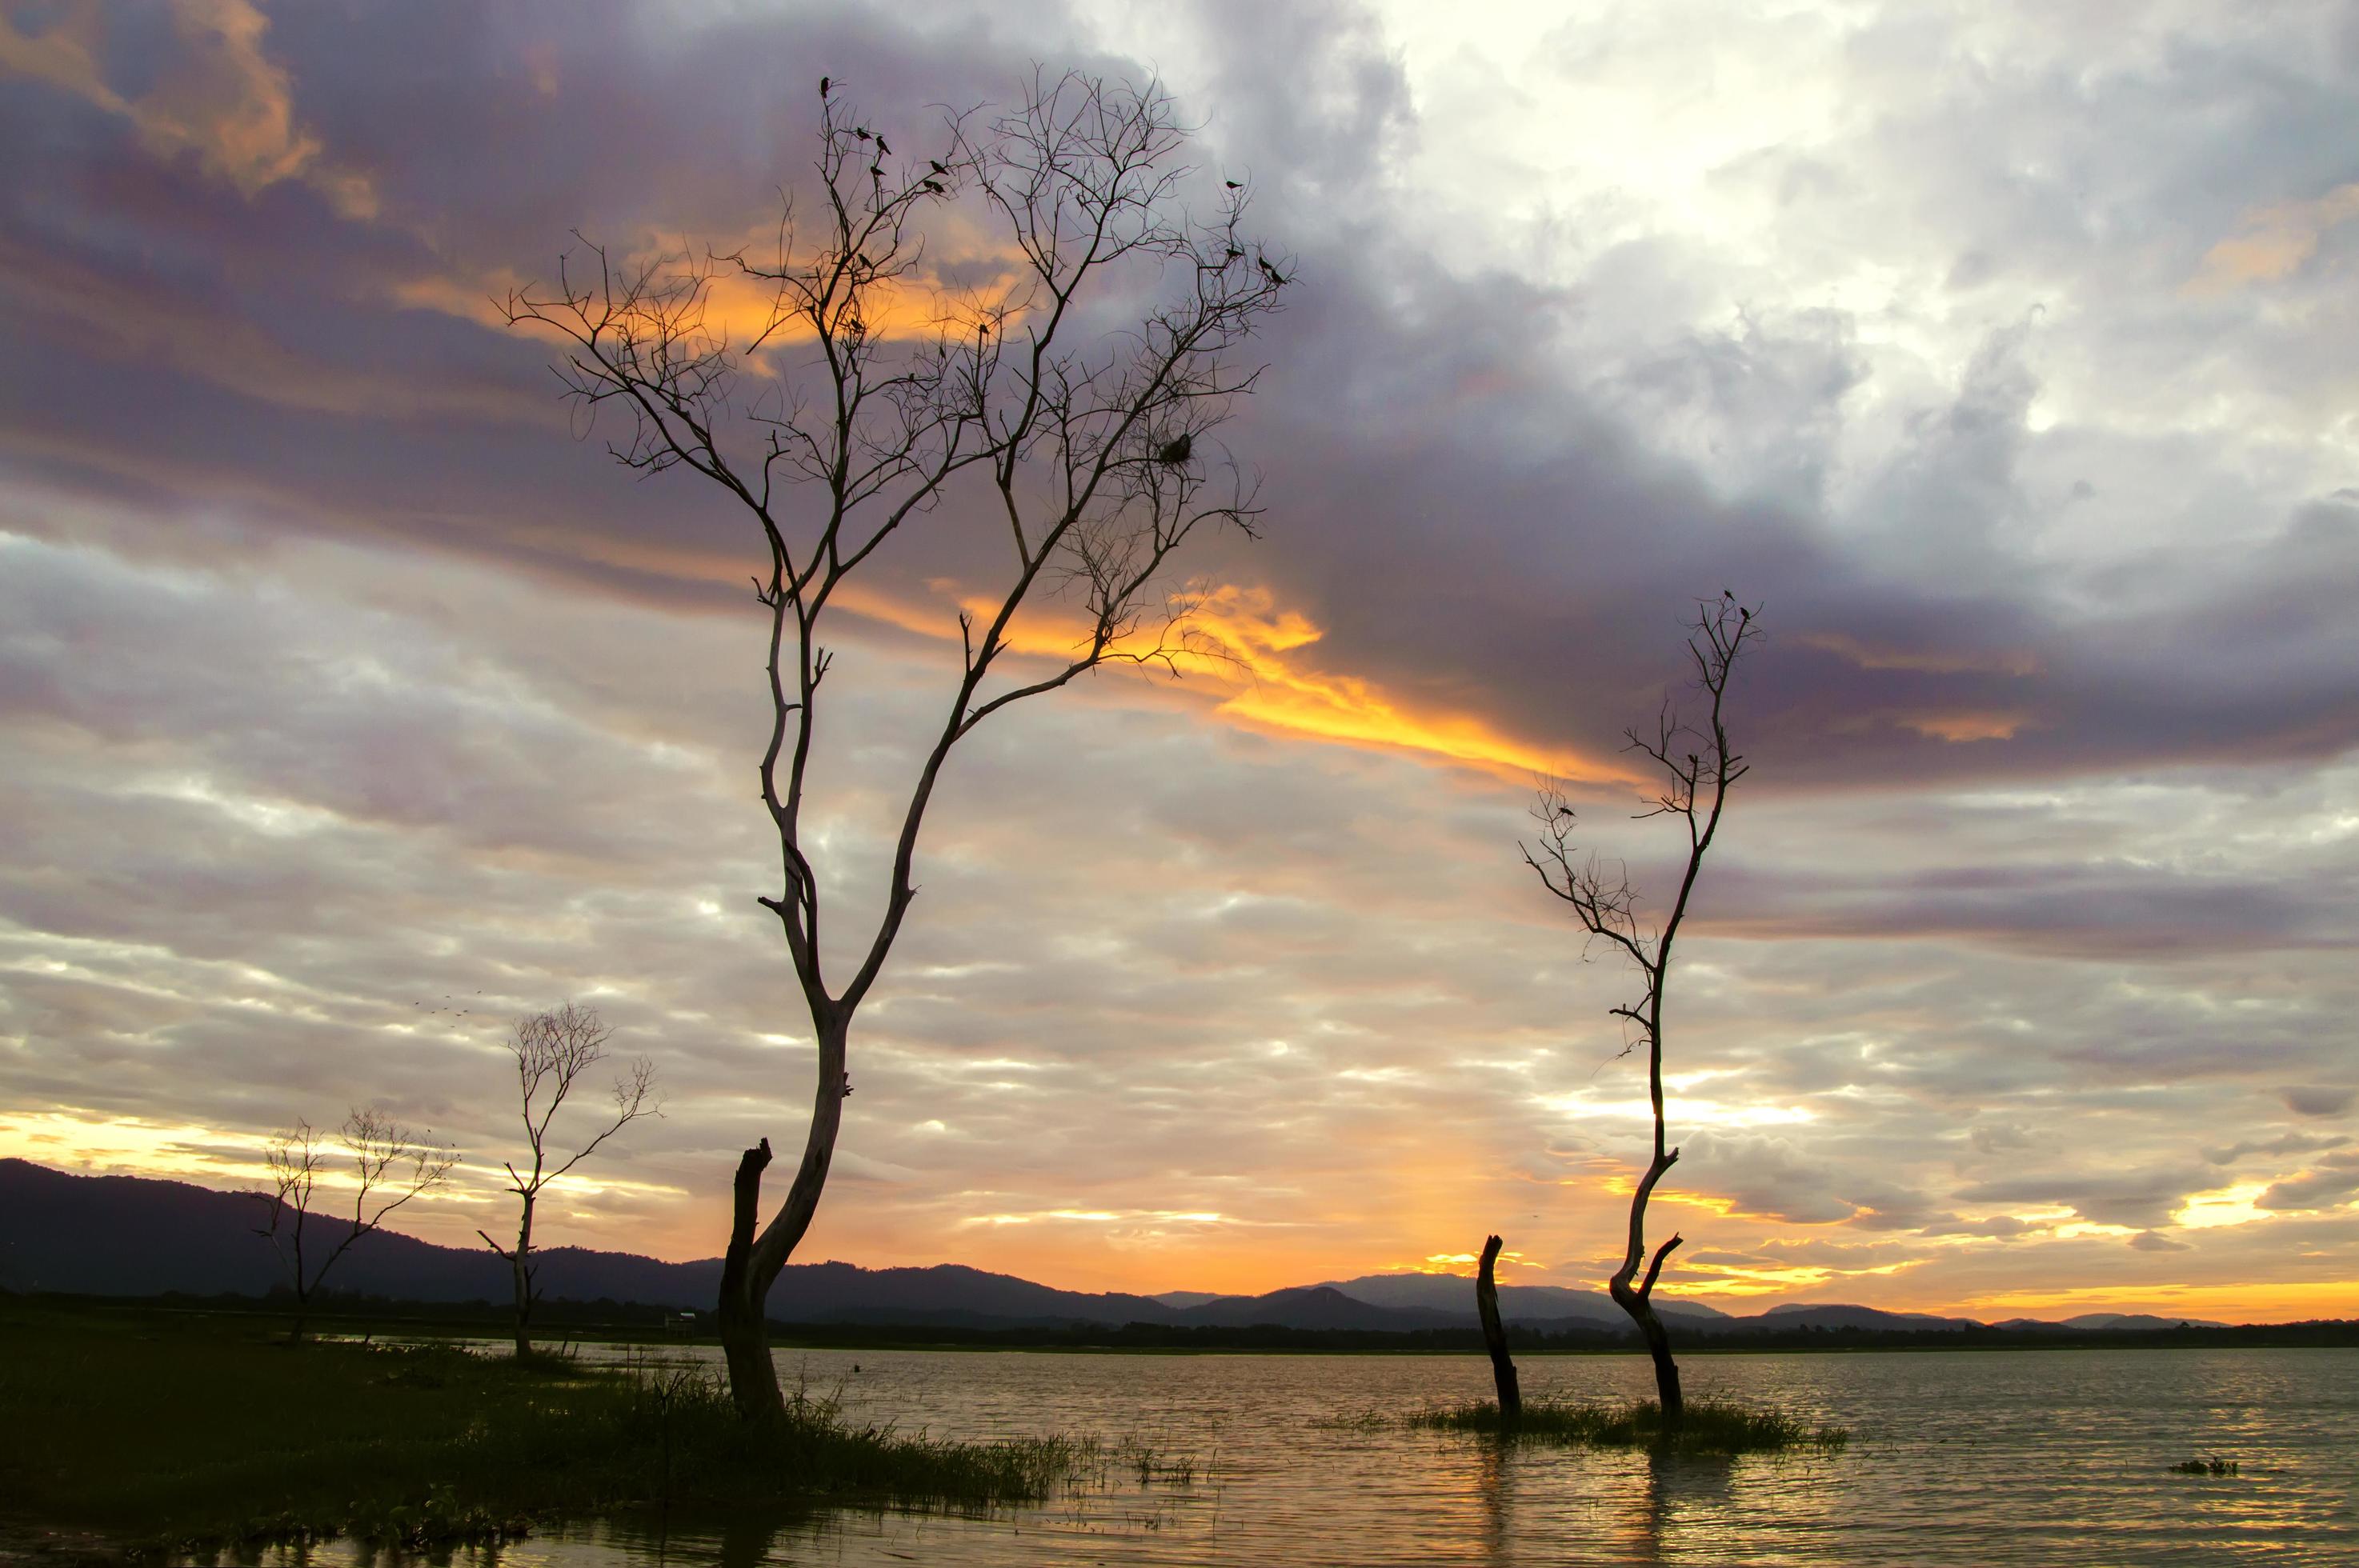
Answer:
(2318, 1099)
(2141, 1199)
(2274, 242)
(220, 99)
(2284, 1143)
(2330, 1182)
(2155, 1241)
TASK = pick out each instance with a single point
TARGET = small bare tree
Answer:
(873, 393)
(1696, 792)
(552, 1049)
(390, 1165)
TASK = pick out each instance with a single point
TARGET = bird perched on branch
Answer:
(824, 84)
(1176, 452)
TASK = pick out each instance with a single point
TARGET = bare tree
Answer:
(1695, 791)
(552, 1049)
(832, 426)
(390, 1165)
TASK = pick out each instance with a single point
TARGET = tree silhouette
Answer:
(552, 1049)
(1695, 791)
(834, 429)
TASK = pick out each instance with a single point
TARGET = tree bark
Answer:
(740, 1312)
(521, 1268)
(1494, 1337)
(752, 1263)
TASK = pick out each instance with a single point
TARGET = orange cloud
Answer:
(1868, 656)
(223, 100)
(1959, 727)
(2273, 243)
(2243, 1300)
(1254, 657)
(739, 309)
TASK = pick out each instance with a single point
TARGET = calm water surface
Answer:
(1956, 1459)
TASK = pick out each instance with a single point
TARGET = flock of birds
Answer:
(447, 997)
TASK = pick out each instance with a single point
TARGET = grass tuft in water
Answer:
(2206, 1465)
(1711, 1426)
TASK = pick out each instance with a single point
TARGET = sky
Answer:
(2006, 355)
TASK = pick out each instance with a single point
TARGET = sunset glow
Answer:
(356, 701)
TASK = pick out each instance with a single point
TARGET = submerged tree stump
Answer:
(1494, 1337)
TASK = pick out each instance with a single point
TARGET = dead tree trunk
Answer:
(1494, 1337)
(522, 1270)
(1639, 1301)
(753, 1262)
(742, 1313)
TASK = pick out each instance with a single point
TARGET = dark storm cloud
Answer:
(1478, 524)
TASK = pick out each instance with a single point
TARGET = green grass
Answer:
(181, 1432)
(1711, 1427)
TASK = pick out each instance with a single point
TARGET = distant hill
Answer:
(1455, 1296)
(2124, 1321)
(1185, 1298)
(135, 1236)
(1838, 1314)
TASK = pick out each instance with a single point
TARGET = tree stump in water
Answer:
(1502, 1368)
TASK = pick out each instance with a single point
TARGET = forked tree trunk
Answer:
(751, 1265)
(1494, 1337)
(1639, 1301)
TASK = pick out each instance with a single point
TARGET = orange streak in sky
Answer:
(1251, 654)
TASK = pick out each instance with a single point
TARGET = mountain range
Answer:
(136, 1236)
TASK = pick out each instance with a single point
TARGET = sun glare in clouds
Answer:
(2222, 1205)
(131, 1146)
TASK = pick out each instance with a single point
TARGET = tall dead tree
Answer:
(1695, 790)
(553, 1049)
(873, 398)
(390, 1165)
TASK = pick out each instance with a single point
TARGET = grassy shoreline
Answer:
(167, 1436)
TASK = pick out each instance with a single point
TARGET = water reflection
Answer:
(2032, 1458)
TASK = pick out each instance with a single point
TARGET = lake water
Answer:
(1963, 1458)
